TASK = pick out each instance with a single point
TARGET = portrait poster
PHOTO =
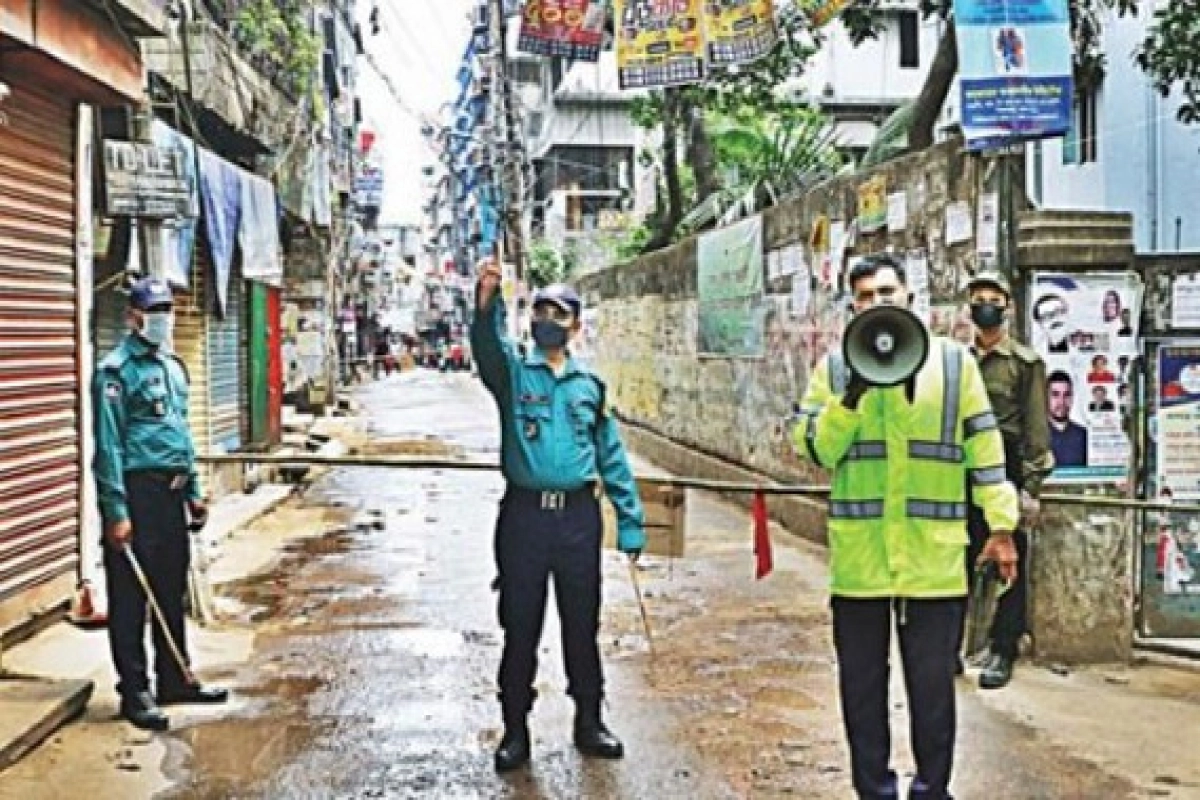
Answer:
(571, 29)
(739, 31)
(729, 287)
(1176, 544)
(1015, 70)
(659, 43)
(1085, 327)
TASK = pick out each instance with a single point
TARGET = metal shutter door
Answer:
(39, 403)
(224, 368)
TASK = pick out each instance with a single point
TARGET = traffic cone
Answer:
(83, 611)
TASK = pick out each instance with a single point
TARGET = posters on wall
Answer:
(1177, 431)
(571, 29)
(988, 232)
(659, 43)
(873, 204)
(1015, 75)
(822, 12)
(1185, 301)
(729, 288)
(1085, 327)
(739, 31)
(897, 211)
(958, 222)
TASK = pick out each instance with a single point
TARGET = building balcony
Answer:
(251, 94)
(137, 17)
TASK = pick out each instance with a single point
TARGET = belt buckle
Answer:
(553, 501)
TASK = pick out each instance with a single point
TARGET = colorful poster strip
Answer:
(1085, 328)
(822, 12)
(659, 43)
(571, 29)
(1015, 78)
(739, 31)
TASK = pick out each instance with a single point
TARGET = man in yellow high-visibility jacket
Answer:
(899, 458)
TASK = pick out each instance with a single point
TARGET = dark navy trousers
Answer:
(161, 546)
(533, 545)
(862, 636)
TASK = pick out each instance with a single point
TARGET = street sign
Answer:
(142, 180)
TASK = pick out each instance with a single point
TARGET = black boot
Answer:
(592, 736)
(997, 672)
(513, 751)
(141, 711)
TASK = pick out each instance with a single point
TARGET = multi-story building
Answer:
(860, 86)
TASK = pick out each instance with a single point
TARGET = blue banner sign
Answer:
(1015, 77)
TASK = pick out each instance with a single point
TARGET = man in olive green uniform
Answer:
(146, 479)
(1015, 377)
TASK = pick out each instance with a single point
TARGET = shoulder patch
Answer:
(1025, 353)
(187, 377)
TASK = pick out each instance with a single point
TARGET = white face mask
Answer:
(156, 327)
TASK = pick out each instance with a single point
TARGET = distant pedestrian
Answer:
(145, 469)
(559, 446)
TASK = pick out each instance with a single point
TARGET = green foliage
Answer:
(281, 33)
(547, 265)
(634, 243)
(1171, 55)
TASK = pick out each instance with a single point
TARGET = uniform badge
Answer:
(160, 408)
(112, 390)
(531, 430)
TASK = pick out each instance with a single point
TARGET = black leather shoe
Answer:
(142, 712)
(513, 751)
(195, 694)
(996, 673)
(593, 738)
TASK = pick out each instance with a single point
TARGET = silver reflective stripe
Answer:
(988, 476)
(978, 424)
(837, 373)
(861, 451)
(951, 386)
(928, 509)
(861, 509)
(936, 451)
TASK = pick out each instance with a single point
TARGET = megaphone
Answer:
(885, 345)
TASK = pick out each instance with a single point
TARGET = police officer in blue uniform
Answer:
(559, 445)
(146, 478)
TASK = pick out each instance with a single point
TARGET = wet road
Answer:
(374, 673)
(377, 649)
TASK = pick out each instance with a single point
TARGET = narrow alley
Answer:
(375, 649)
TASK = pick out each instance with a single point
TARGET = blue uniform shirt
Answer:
(140, 394)
(556, 434)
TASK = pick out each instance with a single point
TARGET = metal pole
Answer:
(512, 155)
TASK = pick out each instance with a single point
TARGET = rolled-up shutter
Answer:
(224, 369)
(39, 395)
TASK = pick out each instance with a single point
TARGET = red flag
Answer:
(762, 537)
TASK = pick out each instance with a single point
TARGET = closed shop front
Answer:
(39, 380)
(225, 369)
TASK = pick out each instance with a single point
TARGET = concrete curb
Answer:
(31, 709)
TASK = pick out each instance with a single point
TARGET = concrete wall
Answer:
(725, 418)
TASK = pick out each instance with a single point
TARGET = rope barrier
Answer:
(703, 484)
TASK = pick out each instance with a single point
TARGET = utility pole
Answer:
(511, 156)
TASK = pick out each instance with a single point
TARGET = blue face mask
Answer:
(157, 327)
(549, 335)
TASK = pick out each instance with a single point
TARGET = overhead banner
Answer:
(1085, 327)
(659, 43)
(739, 31)
(572, 29)
(1014, 66)
(729, 288)
(822, 12)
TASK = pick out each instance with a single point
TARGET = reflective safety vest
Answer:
(898, 508)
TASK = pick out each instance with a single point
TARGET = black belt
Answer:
(552, 500)
(176, 479)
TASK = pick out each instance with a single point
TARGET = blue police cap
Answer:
(150, 292)
(560, 295)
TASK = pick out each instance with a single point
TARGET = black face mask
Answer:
(987, 316)
(548, 334)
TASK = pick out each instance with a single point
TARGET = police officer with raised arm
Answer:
(899, 458)
(145, 468)
(559, 446)
(1015, 377)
